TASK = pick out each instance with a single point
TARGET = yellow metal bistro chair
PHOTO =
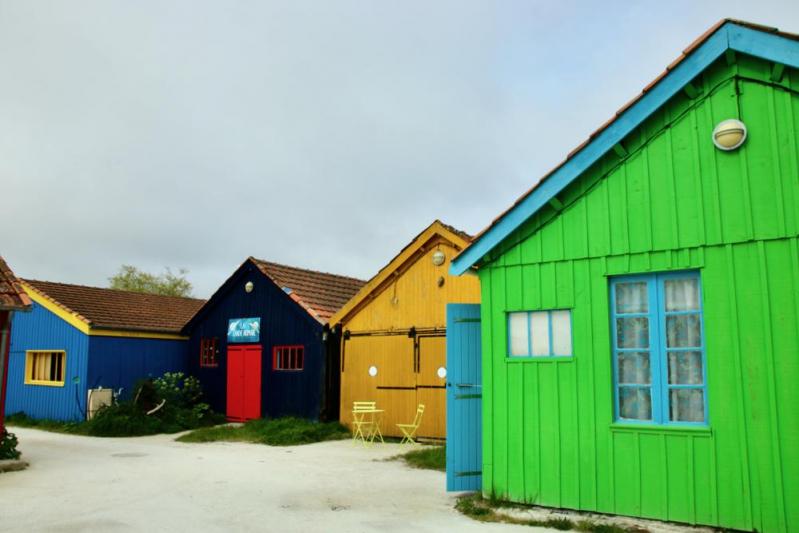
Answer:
(363, 421)
(409, 430)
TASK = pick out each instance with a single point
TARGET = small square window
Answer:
(45, 367)
(209, 352)
(540, 333)
(288, 358)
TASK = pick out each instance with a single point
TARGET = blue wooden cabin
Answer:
(78, 339)
(260, 344)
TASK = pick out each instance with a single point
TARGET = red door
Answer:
(243, 382)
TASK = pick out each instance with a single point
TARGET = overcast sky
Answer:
(319, 134)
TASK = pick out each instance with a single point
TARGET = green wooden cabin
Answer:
(640, 305)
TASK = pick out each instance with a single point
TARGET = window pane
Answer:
(685, 368)
(517, 324)
(632, 332)
(635, 403)
(683, 331)
(634, 368)
(632, 297)
(686, 405)
(561, 333)
(539, 329)
(682, 294)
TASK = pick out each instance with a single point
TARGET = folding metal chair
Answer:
(409, 430)
(363, 421)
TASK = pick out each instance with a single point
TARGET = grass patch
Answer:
(56, 426)
(429, 458)
(485, 510)
(274, 432)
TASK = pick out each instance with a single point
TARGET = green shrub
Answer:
(182, 410)
(122, 420)
(178, 389)
(173, 400)
(8, 446)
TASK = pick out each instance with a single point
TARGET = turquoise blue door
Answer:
(464, 398)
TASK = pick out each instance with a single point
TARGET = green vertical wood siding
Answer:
(674, 203)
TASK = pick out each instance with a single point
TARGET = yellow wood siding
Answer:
(409, 297)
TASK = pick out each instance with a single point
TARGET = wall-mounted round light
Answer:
(729, 134)
(248, 286)
(438, 258)
(442, 372)
(373, 371)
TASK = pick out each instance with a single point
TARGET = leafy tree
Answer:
(130, 278)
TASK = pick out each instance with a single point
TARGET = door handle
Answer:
(469, 385)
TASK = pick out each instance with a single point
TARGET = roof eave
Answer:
(437, 227)
(728, 36)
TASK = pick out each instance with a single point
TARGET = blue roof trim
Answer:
(763, 45)
(729, 36)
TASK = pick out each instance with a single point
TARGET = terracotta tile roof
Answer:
(321, 294)
(12, 295)
(685, 53)
(114, 309)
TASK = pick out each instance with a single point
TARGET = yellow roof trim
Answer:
(434, 229)
(83, 325)
(64, 313)
(136, 334)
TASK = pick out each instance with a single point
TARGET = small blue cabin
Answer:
(77, 340)
(260, 344)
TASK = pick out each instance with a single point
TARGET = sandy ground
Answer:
(156, 484)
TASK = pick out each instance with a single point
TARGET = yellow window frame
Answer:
(30, 355)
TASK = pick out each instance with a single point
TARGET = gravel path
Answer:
(156, 484)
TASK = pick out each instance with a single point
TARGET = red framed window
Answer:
(288, 357)
(209, 352)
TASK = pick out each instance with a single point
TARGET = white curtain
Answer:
(632, 297)
(539, 329)
(517, 323)
(687, 405)
(635, 403)
(682, 294)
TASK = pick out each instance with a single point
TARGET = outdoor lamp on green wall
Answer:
(729, 134)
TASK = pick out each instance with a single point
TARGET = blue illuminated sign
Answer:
(244, 330)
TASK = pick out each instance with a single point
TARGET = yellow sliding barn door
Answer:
(391, 371)
(430, 387)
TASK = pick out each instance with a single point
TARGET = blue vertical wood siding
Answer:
(119, 362)
(283, 322)
(42, 330)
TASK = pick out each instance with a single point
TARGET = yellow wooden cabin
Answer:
(393, 342)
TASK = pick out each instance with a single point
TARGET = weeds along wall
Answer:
(669, 202)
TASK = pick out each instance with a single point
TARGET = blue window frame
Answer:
(540, 333)
(658, 349)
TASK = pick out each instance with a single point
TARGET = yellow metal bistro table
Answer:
(369, 420)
